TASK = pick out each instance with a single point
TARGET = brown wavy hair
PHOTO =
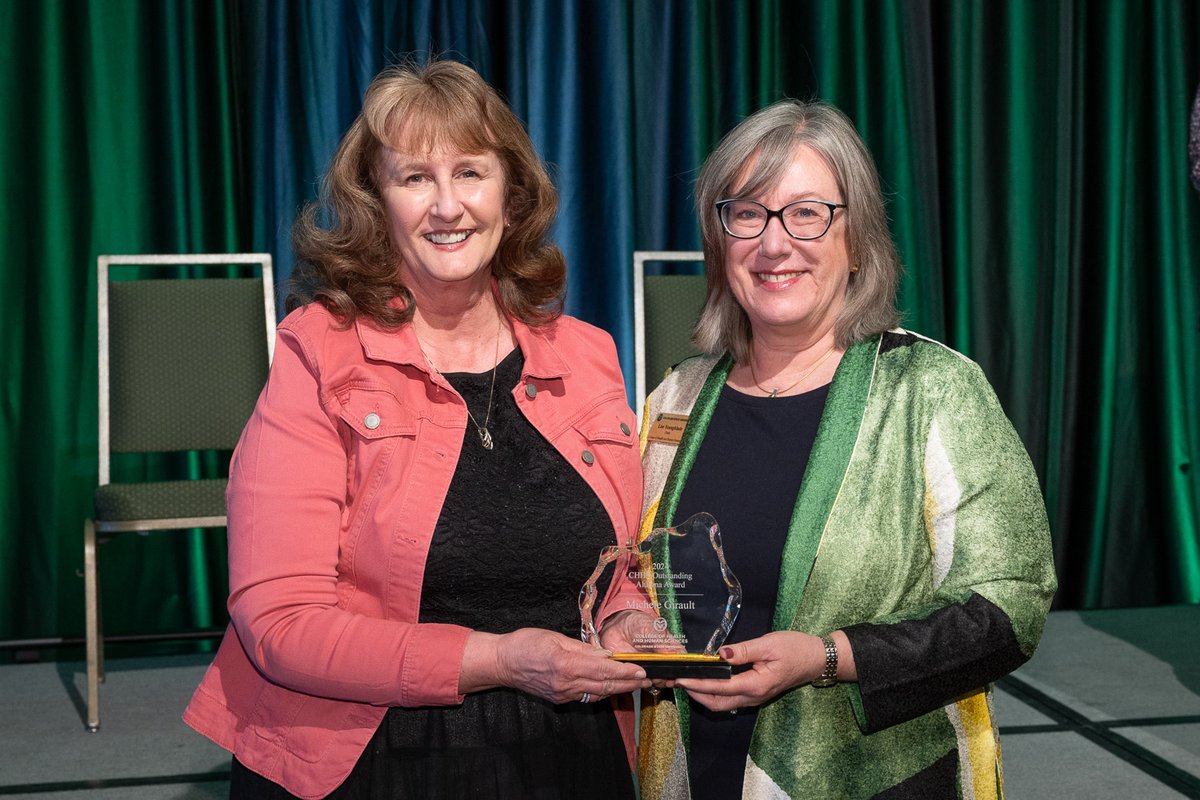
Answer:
(345, 258)
(766, 142)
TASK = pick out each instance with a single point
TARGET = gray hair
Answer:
(766, 141)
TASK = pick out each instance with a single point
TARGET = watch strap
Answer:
(829, 676)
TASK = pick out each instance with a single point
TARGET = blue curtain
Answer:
(566, 69)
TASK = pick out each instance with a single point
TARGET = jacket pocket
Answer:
(375, 413)
(607, 438)
(608, 460)
(379, 434)
(610, 422)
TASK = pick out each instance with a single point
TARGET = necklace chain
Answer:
(777, 391)
(485, 436)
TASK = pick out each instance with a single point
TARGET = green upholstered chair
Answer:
(665, 309)
(184, 352)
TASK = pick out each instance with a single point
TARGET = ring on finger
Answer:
(587, 698)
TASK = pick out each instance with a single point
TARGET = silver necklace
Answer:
(485, 436)
(777, 391)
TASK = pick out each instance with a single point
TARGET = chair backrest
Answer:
(184, 349)
(665, 309)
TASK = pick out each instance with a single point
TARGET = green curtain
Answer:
(1035, 158)
(119, 137)
(1033, 153)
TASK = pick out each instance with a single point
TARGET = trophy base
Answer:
(676, 665)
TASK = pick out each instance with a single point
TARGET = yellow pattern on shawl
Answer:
(981, 745)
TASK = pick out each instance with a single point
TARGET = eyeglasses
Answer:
(803, 219)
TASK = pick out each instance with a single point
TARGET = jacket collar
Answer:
(540, 348)
(397, 345)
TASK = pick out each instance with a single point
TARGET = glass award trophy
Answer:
(678, 578)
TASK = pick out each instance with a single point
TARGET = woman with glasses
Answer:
(878, 508)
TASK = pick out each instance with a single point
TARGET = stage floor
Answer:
(1109, 707)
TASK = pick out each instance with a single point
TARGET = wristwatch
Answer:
(829, 676)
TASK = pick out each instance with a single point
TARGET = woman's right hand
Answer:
(545, 664)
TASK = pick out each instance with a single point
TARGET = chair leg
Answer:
(95, 644)
(100, 661)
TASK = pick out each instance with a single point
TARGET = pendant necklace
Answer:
(485, 436)
(777, 391)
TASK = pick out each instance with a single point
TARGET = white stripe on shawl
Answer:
(966, 768)
(677, 786)
(758, 784)
(946, 493)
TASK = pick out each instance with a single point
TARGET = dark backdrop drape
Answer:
(1034, 155)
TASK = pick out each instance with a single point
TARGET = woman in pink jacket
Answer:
(428, 478)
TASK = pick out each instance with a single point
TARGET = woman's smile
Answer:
(779, 279)
(448, 238)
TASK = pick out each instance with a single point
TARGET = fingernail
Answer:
(726, 653)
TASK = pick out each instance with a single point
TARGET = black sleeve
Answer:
(911, 667)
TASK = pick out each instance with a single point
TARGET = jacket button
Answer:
(530, 391)
(371, 421)
(587, 457)
(624, 429)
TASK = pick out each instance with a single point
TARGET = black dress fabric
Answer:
(519, 533)
(747, 474)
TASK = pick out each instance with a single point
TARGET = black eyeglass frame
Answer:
(720, 207)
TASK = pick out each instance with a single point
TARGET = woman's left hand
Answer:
(779, 661)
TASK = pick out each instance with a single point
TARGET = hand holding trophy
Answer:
(686, 596)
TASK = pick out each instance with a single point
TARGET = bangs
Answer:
(428, 119)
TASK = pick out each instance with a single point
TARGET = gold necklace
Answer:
(776, 392)
(485, 436)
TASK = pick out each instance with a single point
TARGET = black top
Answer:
(747, 474)
(519, 533)
(520, 530)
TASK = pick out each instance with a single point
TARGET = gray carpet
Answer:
(1109, 707)
(1120, 695)
(142, 751)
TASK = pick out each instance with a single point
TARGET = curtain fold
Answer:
(119, 138)
(1034, 156)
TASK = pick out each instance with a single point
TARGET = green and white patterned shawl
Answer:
(919, 503)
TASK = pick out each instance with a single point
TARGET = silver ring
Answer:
(587, 698)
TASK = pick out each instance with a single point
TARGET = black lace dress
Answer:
(518, 535)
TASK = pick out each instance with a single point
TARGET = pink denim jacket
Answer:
(334, 491)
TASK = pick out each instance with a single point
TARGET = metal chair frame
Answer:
(640, 257)
(96, 531)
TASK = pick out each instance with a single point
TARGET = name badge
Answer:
(668, 428)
